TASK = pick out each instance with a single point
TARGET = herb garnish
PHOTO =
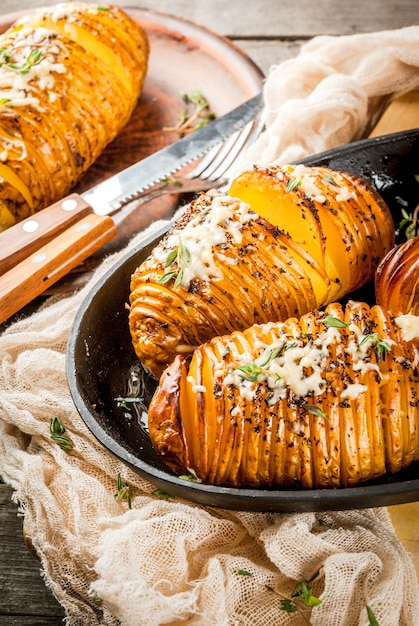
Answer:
(330, 179)
(315, 410)
(381, 345)
(34, 58)
(300, 598)
(196, 114)
(180, 255)
(57, 430)
(122, 494)
(252, 371)
(170, 180)
(293, 183)
(162, 495)
(5, 56)
(410, 222)
(191, 476)
(335, 322)
(372, 620)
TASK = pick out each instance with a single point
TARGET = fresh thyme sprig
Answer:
(410, 223)
(57, 430)
(34, 58)
(301, 597)
(381, 345)
(171, 180)
(122, 494)
(196, 114)
(180, 255)
(252, 371)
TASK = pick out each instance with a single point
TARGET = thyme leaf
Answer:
(287, 605)
(410, 222)
(34, 58)
(300, 597)
(244, 572)
(315, 410)
(330, 179)
(57, 430)
(162, 495)
(196, 114)
(304, 593)
(171, 180)
(122, 494)
(191, 476)
(381, 345)
(181, 255)
(292, 184)
(335, 322)
(372, 620)
(252, 371)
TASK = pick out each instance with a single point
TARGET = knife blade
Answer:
(34, 253)
(111, 195)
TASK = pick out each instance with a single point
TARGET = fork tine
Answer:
(220, 160)
(215, 157)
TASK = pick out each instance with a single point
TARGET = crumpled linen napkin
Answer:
(172, 561)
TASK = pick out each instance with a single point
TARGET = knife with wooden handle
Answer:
(67, 232)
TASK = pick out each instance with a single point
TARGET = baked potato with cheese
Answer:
(327, 400)
(70, 77)
(283, 241)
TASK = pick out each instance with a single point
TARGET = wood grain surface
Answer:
(269, 31)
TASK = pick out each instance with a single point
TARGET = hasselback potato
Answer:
(284, 241)
(326, 400)
(70, 77)
(397, 279)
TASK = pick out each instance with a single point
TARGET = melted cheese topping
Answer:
(222, 222)
(19, 85)
(336, 185)
(409, 325)
(301, 363)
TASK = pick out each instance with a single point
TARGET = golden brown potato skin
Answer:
(70, 78)
(292, 252)
(328, 406)
(397, 279)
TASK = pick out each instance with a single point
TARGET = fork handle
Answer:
(25, 237)
(31, 277)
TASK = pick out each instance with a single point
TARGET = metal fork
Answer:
(212, 171)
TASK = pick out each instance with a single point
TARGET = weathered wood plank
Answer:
(24, 620)
(288, 19)
(22, 589)
(268, 53)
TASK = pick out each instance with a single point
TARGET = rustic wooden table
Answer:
(268, 32)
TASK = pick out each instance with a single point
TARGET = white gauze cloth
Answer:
(170, 561)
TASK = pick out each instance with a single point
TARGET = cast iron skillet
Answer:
(100, 355)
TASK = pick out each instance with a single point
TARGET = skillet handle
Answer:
(32, 276)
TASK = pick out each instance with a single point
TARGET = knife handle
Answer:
(45, 266)
(25, 237)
